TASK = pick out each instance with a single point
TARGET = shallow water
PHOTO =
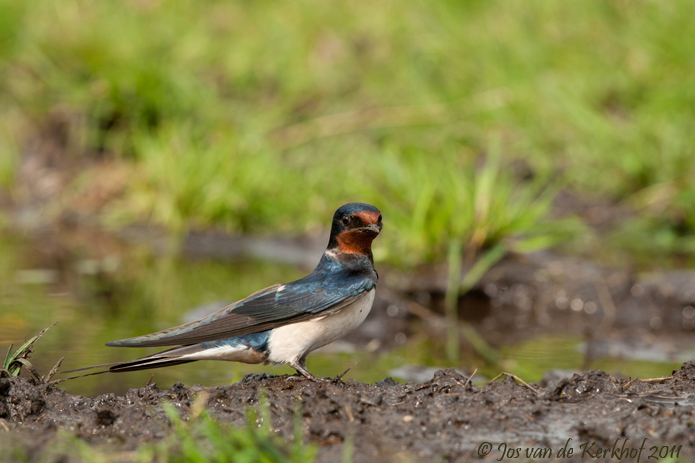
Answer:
(101, 289)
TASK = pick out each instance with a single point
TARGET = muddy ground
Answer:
(445, 419)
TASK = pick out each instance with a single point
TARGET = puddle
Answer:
(656, 351)
(100, 288)
(534, 358)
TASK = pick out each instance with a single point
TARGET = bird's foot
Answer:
(301, 369)
(301, 377)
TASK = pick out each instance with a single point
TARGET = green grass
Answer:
(15, 361)
(265, 116)
(202, 439)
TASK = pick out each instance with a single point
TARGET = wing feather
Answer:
(269, 308)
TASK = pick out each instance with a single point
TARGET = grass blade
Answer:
(451, 301)
(13, 363)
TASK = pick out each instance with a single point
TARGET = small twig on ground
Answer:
(149, 381)
(467, 381)
(340, 376)
(470, 378)
(656, 380)
(516, 378)
(629, 384)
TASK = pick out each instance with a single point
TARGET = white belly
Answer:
(291, 342)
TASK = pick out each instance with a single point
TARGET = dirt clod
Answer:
(446, 418)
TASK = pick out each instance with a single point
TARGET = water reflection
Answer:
(96, 298)
(99, 289)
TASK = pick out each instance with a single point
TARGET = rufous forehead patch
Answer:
(368, 216)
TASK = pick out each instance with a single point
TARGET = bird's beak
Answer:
(372, 228)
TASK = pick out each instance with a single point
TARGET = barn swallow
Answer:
(281, 324)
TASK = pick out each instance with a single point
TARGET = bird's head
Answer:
(354, 227)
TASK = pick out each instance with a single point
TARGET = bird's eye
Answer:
(346, 219)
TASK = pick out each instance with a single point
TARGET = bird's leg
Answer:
(300, 366)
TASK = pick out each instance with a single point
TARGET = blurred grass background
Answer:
(474, 125)
(458, 119)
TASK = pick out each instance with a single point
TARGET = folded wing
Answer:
(269, 308)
